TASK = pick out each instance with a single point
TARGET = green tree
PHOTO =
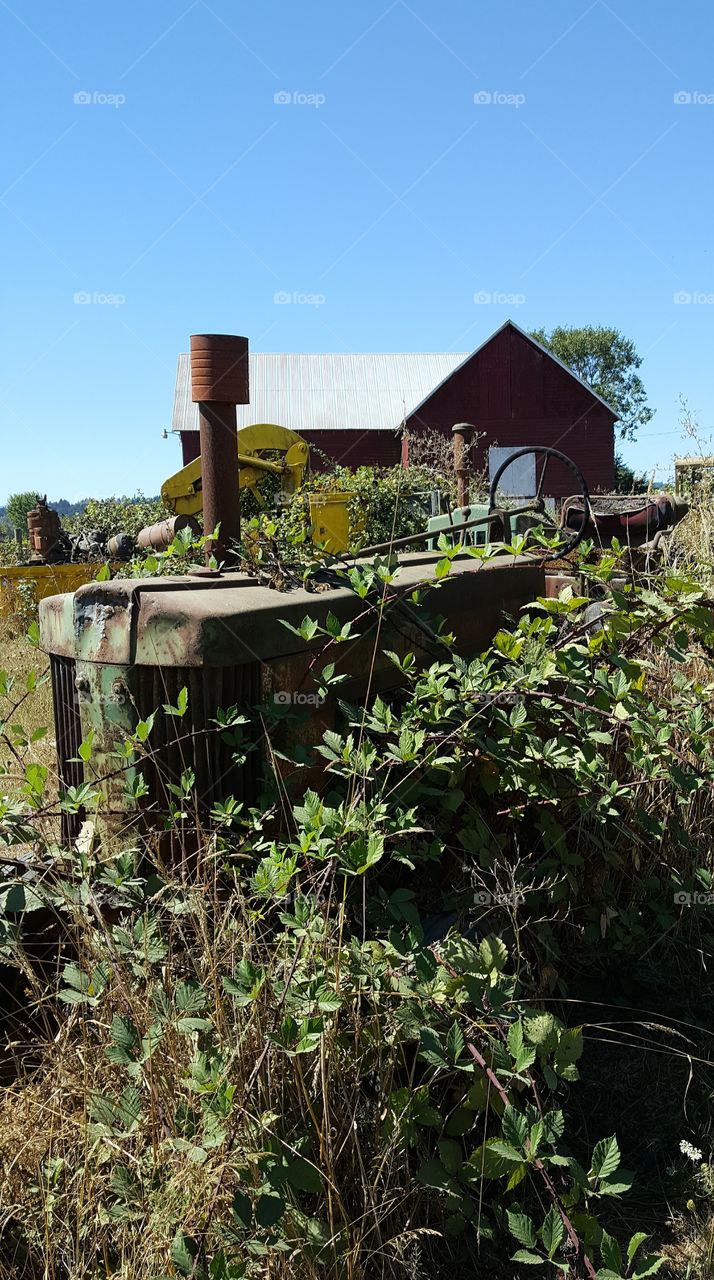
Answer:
(627, 480)
(18, 505)
(608, 362)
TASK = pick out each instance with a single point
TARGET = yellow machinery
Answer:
(182, 491)
(24, 584)
(329, 516)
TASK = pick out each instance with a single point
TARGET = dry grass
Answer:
(23, 664)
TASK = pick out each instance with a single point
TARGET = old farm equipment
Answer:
(61, 561)
(631, 520)
(267, 450)
(123, 648)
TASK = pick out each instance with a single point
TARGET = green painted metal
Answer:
(451, 521)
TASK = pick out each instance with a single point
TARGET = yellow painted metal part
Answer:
(330, 520)
(182, 491)
(37, 581)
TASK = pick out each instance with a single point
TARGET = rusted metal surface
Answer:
(462, 434)
(219, 368)
(189, 622)
(159, 536)
(632, 520)
(570, 536)
(125, 648)
(45, 531)
(68, 734)
(219, 381)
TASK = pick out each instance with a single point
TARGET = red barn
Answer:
(360, 409)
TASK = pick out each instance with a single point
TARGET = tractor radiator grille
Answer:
(68, 733)
(177, 743)
(192, 741)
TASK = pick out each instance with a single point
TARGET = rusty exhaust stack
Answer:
(463, 434)
(219, 381)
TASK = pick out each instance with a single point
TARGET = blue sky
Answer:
(147, 165)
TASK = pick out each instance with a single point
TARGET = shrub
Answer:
(345, 1044)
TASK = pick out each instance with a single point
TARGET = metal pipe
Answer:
(463, 434)
(159, 536)
(219, 381)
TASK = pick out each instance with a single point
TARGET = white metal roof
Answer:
(316, 392)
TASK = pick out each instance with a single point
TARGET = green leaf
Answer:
(505, 1150)
(610, 1253)
(553, 1126)
(242, 1209)
(269, 1208)
(494, 954)
(606, 1158)
(190, 997)
(303, 1176)
(433, 1174)
(183, 1254)
(552, 1233)
(540, 1030)
(532, 1259)
(455, 1042)
(648, 1267)
(431, 1050)
(636, 1240)
(515, 1127)
(520, 1226)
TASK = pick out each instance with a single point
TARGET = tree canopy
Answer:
(608, 362)
(18, 505)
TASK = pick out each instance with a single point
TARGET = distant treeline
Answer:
(65, 508)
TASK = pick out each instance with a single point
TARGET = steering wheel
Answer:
(537, 505)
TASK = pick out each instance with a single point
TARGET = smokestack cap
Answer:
(219, 368)
(465, 429)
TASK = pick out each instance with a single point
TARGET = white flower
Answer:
(687, 1149)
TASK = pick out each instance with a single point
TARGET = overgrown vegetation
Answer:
(406, 1022)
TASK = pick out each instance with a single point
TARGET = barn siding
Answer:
(349, 448)
(516, 394)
